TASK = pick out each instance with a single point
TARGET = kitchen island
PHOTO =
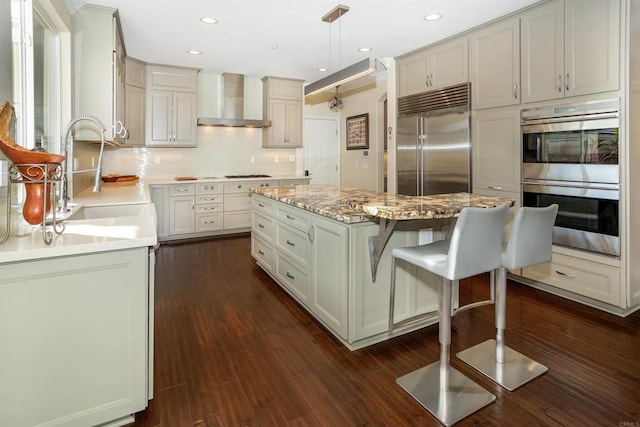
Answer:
(330, 249)
(76, 318)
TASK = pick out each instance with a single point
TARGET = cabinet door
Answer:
(182, 215)
(159, 117)
(449, 64)
(135, 115)
(276, 133)
(412, 74)
(184, 118)
(160, 199)
(294, 124)
(542, 52)
(329, 290)
(592, 46)
(495, 65)
(119, 118)
(496, 149)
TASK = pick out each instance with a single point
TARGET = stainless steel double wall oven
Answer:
(570, 157)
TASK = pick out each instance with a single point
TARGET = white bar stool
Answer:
(475, 247)
(529, 244)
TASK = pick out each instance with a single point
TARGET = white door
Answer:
(322, 151)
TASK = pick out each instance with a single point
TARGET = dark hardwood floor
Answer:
(233, 349)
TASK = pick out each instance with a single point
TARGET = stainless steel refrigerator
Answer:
(433, 144)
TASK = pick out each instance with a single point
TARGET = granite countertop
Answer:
(351, 206)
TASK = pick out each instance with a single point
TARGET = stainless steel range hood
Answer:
(233, 106)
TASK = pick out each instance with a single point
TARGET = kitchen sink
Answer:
(110, 211)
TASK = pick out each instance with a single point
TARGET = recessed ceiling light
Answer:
(365, 49)
(194, 52)
(274, 46)
(432, 17)
(323, 69)
(207, 20)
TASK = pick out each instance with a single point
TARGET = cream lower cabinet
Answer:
(74, 334)
(597, 281)
(197, 209)
(325, 265)
(182, 204)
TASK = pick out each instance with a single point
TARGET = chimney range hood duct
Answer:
(233, 105)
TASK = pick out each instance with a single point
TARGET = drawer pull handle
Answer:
(209, 209)
(289, 275)
(239, 186)
(562, 273)
(495, 187)
(209, 222)
(261, 205)
(260, 225)
(260, 252)
(292, 218)
(290, 243)
(181, 190)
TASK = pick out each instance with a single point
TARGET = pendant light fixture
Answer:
(352, 72)
(336, 104)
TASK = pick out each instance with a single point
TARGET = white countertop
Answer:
(91, 235)
(159, 180)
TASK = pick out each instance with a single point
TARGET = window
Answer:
(30, 48)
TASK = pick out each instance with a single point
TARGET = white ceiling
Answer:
(161, 31)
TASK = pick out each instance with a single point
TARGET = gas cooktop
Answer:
(248, 176)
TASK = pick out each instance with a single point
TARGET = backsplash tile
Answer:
(220, 151)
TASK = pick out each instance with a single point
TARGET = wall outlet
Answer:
(292, 158)
(252, 159)
(156, 160)
(365, 165)
(93, 162)
(276, 159)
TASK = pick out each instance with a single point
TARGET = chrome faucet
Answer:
(96, 185)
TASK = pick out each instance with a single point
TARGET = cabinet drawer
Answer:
(262, 204)
(205, 200)
(262, 252)
(209, 222)
(292, 277)
(294, 217)
(240, 219)
(301, 181)
(263, 226)
(183, 190)
(237, 202)
(246, 186)
(294, 244)
(590, 279)
(209, 188)
(208, 209)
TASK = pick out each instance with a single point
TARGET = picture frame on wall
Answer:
(358, 132)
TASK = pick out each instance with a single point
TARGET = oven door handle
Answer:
(572, 184)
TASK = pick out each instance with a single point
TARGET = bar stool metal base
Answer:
(463, 398)
(516, 370)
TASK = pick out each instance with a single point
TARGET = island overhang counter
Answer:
(330, 249)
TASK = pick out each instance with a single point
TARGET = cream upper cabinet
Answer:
(135, 101)
(282, 104)
(494, 65)
(570, 48)
(99, 72)
(432, 68)
(496, 149)
(171, 107)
